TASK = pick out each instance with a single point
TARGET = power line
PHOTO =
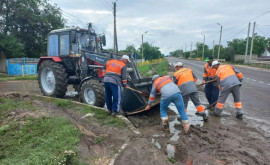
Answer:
(236, 34)
(263, 25)
(247, 21)
(78, 19)
(261, 31)
(102, 18)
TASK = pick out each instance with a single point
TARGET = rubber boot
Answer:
(165, 124)
(186, 127)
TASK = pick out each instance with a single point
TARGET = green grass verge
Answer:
(39, 141)
(144, 69)
(4, 77)
(102, 117)
(162, 68)
(7, 104)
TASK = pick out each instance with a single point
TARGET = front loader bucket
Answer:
(134, 102)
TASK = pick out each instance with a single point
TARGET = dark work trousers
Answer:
(211, 93)
(113, 95)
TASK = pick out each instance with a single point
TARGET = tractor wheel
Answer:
(52, 79)
(92, 92)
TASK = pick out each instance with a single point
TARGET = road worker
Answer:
(114, 79)
(170, 93)
(185, 80)
(211, 88)
(229, 81)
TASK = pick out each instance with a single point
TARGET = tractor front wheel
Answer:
(92, 92)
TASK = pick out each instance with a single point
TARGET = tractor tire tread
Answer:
(99, 91)
(60, 78)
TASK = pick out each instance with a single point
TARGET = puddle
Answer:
(157, 144)
(173, 131)
(170, 151)
(192, 118)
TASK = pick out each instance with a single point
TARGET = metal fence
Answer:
(22, 66)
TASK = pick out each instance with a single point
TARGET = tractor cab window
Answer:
(64, 45)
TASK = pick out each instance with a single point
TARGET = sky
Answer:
(169, 24)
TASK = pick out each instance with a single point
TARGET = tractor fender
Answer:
(55, 59)
(83, 80)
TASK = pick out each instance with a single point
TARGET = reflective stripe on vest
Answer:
(211, 73)
(184, 75)
(225, 71)
(114, 66)
(161, 81)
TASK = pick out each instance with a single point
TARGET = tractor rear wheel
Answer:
(92, 92)
(52, 79)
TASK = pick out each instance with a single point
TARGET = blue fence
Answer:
(22, 66)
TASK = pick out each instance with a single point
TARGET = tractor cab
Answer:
(71, 42)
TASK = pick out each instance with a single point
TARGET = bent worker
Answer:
(211, 88)
(229, 81)
(170, 93)
(114, 79)
(185, 80)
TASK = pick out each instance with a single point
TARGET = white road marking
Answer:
(247, 78)
(261, 82)
(253, 80)
(268, 84)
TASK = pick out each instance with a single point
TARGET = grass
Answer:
(144, 69)
(148, 70)
(4, 77)
(7, 104)
(63, 103)
(162, 68)
(171, 160)
(99, 139)
(102, 117)
(39, 141)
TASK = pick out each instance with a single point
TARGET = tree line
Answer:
(25, 24)
(234, 47)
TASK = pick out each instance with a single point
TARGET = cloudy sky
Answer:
(171, 24)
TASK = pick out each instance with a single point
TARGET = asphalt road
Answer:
(255, 91)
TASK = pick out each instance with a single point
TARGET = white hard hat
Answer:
(126, 57)
(178, 64)
(155, 77)
(215, 63)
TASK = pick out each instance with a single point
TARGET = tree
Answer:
(11, 46)
(150, 52)
(30, 21)
(177, 53)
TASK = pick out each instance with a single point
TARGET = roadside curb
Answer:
(127, 122)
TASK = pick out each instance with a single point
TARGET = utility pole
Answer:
(251, 46)
(203, 47)
(115, 47)
(213, 49)
(247, 43)
(219, 40)
(191, 49)
(142, 44)
(142, 48)
(186, 48)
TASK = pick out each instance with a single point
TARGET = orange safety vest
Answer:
(184, 75)
(210, 71)
(114, 66)
(225, 71)
(161, 81)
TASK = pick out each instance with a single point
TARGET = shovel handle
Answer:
(207, 82)
(133, 89)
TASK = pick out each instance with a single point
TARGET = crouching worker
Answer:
(169, 93)
(229, 81)
(185, 80)
(114, 79)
